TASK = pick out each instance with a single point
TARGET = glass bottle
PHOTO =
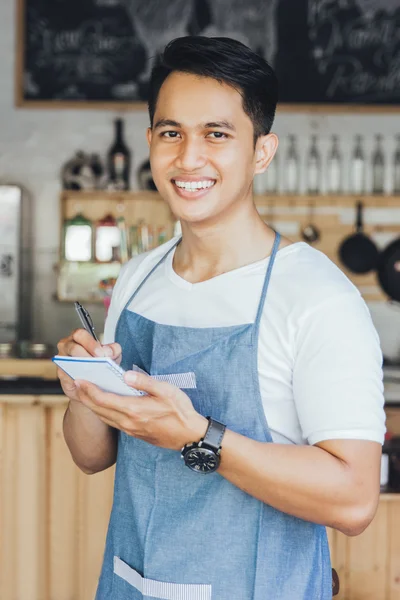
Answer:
(314, 168)
(378, 167)
(292, 167)
(78, 239)
(396, 168)
(267, 182)
(119, 160)
(357, 172)
(272, 176)
(108, 240)
(335, 166)
(123, 248)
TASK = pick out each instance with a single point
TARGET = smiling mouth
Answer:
(194, 186)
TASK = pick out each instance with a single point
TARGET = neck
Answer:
(210, 249)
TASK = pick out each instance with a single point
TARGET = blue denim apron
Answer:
(178, 535)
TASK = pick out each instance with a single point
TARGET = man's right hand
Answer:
(81, 343)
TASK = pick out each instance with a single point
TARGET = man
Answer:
(286, 359)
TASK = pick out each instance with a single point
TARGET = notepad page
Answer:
(103, 372)
(101, 377)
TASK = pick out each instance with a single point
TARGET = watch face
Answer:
(202, 460)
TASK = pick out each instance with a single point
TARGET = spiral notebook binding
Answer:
(120, 374)
(181, 380)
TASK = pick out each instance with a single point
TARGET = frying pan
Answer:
(357, 251)
(388, 270)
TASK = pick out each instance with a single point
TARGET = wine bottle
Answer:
(335, 173)
(119, 160)
(396, 168)
(358, 168)
(292, 170)
(378, 167)
(314, 168)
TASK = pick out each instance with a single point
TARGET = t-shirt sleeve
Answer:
(337, 372)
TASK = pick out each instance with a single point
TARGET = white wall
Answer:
(35, 143)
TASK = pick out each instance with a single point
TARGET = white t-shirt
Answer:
(319, 357)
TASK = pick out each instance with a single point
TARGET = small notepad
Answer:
(108, 376)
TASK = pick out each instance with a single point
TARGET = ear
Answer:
(266, 147)
(149, 135)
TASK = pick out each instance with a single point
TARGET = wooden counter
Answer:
(53, 518)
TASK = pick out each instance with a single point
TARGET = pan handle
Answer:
(359, 220)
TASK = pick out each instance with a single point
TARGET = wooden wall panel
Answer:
(393, 555)
(31, 503)
(53, 518)
(339, 560)
(63, 509)
(367, 559)
(95, 501)
(8, 487)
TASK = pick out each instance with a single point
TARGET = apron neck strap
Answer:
(266, 282)
(150, 273)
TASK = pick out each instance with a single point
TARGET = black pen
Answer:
(86, 320)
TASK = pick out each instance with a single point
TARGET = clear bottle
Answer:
(107, 239)
(292, 167)
(378, 167)
(335, 168)
(357, 172)
(119, 160)
(396, 168)
(267, 182)
(272, 176)
(314, 168)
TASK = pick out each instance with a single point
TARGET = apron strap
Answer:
(263, 292)
(265, 286)
(149, 274)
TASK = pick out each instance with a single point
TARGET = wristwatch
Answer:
(204, 456)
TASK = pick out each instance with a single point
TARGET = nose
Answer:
(191, 155)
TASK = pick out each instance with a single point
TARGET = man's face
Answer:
(201, 147)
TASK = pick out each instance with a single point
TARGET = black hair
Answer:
(227, 61)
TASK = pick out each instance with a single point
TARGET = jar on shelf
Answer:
(77, 240)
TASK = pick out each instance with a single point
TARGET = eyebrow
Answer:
(210, 125)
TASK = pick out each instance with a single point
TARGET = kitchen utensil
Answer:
(388, 270)
(310, 233)
(357, 251)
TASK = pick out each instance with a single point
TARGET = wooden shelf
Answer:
(345, 200)
(18, 367)
(334, 215)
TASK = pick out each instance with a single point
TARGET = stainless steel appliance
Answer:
(14, 295)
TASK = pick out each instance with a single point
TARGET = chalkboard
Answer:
(100, 52)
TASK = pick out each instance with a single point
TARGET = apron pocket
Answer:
(160, 589)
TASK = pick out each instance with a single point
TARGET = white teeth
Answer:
(194, 185)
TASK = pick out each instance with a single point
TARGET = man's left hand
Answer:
(165, 417)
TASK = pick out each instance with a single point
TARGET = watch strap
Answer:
(214, 434)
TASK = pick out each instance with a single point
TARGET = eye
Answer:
(169, 134)
(218, 135)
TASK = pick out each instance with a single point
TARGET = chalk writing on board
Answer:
(356, 47)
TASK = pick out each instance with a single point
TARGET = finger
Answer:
(84, 339)
(69, 346)
(104, 405)
(113, 350)
(64, 378)
(145, 383)
(101, 399)
(67, 384)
